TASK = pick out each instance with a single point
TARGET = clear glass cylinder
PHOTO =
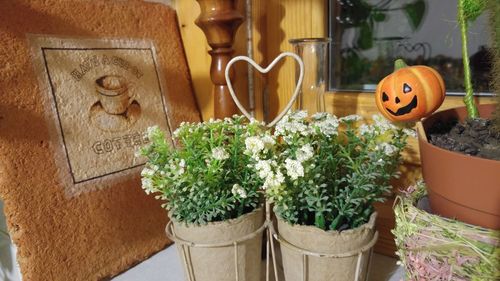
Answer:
(313, 52)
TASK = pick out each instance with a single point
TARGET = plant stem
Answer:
(469, 94)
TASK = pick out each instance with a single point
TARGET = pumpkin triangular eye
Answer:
(385, 97)
(406, 88)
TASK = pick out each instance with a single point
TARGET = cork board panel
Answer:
(80, 82)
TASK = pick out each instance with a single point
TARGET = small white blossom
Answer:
(328, 125)
(365, 129)
(319, 115)
(388, 149)
(151, 131)
(268, 141)
(147, 172)
(264, 168)
(218, 153)
(410, 132)
(273, 180)
(239, 191)
(294, 168)
(305, 153)
(382, 124)
(254, 145)
(147, 185)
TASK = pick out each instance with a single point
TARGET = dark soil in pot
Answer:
(475, 137)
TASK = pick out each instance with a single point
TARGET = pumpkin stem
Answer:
(399, 63)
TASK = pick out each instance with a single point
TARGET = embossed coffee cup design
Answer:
(114, 94)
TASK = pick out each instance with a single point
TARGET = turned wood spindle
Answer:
(220, 20)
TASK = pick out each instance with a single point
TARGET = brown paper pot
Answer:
(461, 187)
(218, 263)
(315, 240)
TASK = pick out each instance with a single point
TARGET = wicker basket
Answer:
(431, 247)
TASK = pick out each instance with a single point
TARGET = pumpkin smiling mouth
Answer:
(406, 109)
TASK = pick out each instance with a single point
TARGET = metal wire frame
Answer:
(270, 251)
(306, 253)
(187, 245)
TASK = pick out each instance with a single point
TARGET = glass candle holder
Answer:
(313, 52)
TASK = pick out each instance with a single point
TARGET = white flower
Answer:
(176, 169)
(298, 115)
(268, 141)
(273, 180)
(349, 118)
(305, 153)
(388, 149)
(319, 115)
(365, 129)
(147, 185)
(410, 132)
(328, 126)
(218, 153)
(382, 124)
(151, 131)
(294, 168)
(264, 168)
(292, 123)
(239, 191)
(147, 172)
(254, 145)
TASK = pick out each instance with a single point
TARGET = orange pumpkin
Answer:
(410, 92)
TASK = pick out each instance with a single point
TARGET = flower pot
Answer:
(461, 187)
(223, 251)
(333, 255)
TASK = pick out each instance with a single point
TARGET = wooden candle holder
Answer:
(220, 20)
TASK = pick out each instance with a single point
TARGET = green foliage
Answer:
(467, 11)
(328, 172)
(415, 12)
(473, 9)
(207, 177)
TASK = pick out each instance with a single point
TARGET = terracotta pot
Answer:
(460, 186)
(217, 261)
(315, 240)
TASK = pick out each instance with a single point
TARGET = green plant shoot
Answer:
(468, 10)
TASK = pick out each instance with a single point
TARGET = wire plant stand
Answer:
(268, 226)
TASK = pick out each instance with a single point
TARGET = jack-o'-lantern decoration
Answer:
(410, 92)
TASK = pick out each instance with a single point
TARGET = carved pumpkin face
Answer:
(410, 93)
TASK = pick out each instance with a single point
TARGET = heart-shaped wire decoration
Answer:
(266, 70)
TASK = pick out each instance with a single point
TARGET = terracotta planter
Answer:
(461, 187)
(213, 255)
(315, 240)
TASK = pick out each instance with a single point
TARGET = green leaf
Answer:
(319, 220)
(415, 12)
(378, 16)
(365, 40)
(473, 9)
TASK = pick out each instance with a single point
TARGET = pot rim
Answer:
(370, 225)
(454, 153)
(260, 208)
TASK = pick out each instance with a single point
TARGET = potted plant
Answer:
(459, 148)
(212, 196)
(322, 178)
